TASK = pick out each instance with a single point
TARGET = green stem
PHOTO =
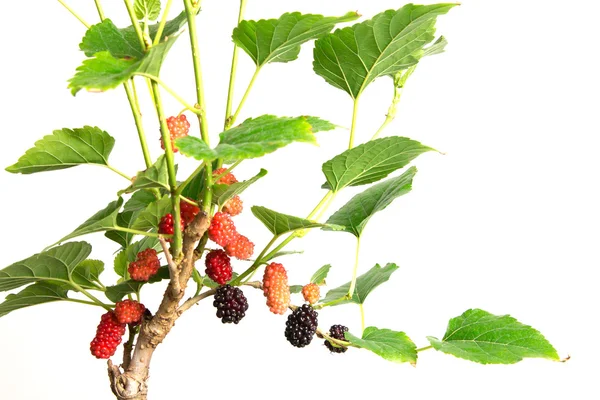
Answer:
(328, 196)
(362, 318)
(89, 303)
(99, 8)
(74, 14)
(137, 117)
(198, 279)
(232, 120)
(135, 23)
(136, 232)
(191, 19)
(163, 22)
(424, 348)
(124, 175)
(355, 271)
(232, 74)
(399, 81)
(171, 92)
(257, 263)
(164, 131)
(330, 303)
(90, 296)
(353, 127)
(183, 185)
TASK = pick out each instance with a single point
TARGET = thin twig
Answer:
(173, 269)
(189, 303)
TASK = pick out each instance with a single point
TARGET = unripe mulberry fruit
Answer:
(166, 225)
(240, 247)
(301, 326)
(108, 336)
(311, 293)
(145, 266)
(234, 206)
(222, 229)
(129, 311)
(178, 127)
(218, 266)
(337, 332)
(226, 179)
(231, 304)
(276, 289)
(188, 212)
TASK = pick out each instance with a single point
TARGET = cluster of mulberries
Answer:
(301, 326)
(311, 293)
(129, 312)
(108, 336)
(179, 127)
(187, 214)
(276, 288)
(231, 304)
(222, 229)
(337, 332)
(145, 266)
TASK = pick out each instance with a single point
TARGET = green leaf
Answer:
(66, 148)
(131, 210)
(157, 176)
(150, 217)
(371, 162)
(147, 9)
(353, 57)
(355, 214)
(321, 274)
(265, 134)
(103, 220)
(129, 254)
(124, 43)
(56, 264)
(437, 48)
(296, 289)
(365, 284)
(105, 36)
(222, 193)
(192, 146)
(390, 345)
(279, 223)
(279, 40)
(87, 273)
(117, 292)
(38, 293)
(255, 138)
(104, 71)
(485, 338)
(195, 187)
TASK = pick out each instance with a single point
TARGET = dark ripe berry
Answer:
(108, 336)
(218, 266)
(301, 326)
(178, 127)
(222, 229)
(145, 266)
(231, 304)
(226, 179)
(337, 332)
(129, 311)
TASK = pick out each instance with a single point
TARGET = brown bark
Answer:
(131, 382)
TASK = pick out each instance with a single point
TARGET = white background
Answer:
(506, 221)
